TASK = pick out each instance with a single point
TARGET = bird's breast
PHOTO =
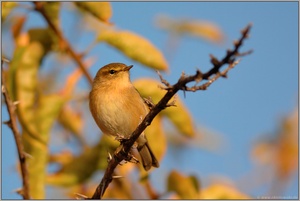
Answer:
(118, 112)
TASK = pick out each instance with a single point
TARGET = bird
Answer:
(118, 108)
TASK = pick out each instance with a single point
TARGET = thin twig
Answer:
(122, 151)
(39, 6)
(12, 124)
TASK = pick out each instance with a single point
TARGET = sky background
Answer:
(240, 110)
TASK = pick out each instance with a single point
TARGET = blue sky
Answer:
(243, 108)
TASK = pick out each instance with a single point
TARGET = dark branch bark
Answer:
(40, 8)
(213, 74)
(12, 124)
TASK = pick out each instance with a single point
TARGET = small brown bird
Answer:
(118, 108)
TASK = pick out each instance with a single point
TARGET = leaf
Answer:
(52, 11)
(157, 141)
(44, 36)
(222, 192)
(81, 167)
(287, 148)
(197, 28)
(186, 187)
(36, 112)
(71, 121)
(135, 47)
(280, 153)
(178, 115)
(36, 165)
(25, 83)
(78, 169)
(7, 8)
(49, 107)
(157, 138)
(181, 118)
(101, 10)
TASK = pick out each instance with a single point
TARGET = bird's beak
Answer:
(127, 68)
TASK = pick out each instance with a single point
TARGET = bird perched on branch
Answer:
(118, 108)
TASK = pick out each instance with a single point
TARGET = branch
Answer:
(213, 74)
(12, 124)
(39, 6)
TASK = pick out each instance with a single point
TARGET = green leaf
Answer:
(135, 47)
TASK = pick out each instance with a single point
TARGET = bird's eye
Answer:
(112, 72)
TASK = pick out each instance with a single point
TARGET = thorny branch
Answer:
(40, 8)
(213, 74)
(12, 124)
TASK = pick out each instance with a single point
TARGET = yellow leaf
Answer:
(280, 153)
(157, 141)
(36, 112)
(135, 47)
(25, 83)
(287, 147)
(222, 192)
(178, 115)
(101, 10)
(197, 28)
(7, 7)
(186, 187)
(72, 121)
(78, 169)
(52, 11)
(44, 36)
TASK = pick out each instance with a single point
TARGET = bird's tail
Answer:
(148, 158)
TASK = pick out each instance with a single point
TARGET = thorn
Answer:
(5, 60)
(117, 177)
(19, 191)
(165, 82)
(81, 196)
(149, 102)
(102, 189)
(16, 102)
(199, 76)
(6, 123)
(27, 155)
(214, 60)
(235, 43)
(109, 157)
(119, 137)
(224, 75)
(173, 102)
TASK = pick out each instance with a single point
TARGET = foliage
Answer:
(43, 114)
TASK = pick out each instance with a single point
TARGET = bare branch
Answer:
(165, 82)
(39, 6)
(213, 74)
(12, 123)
